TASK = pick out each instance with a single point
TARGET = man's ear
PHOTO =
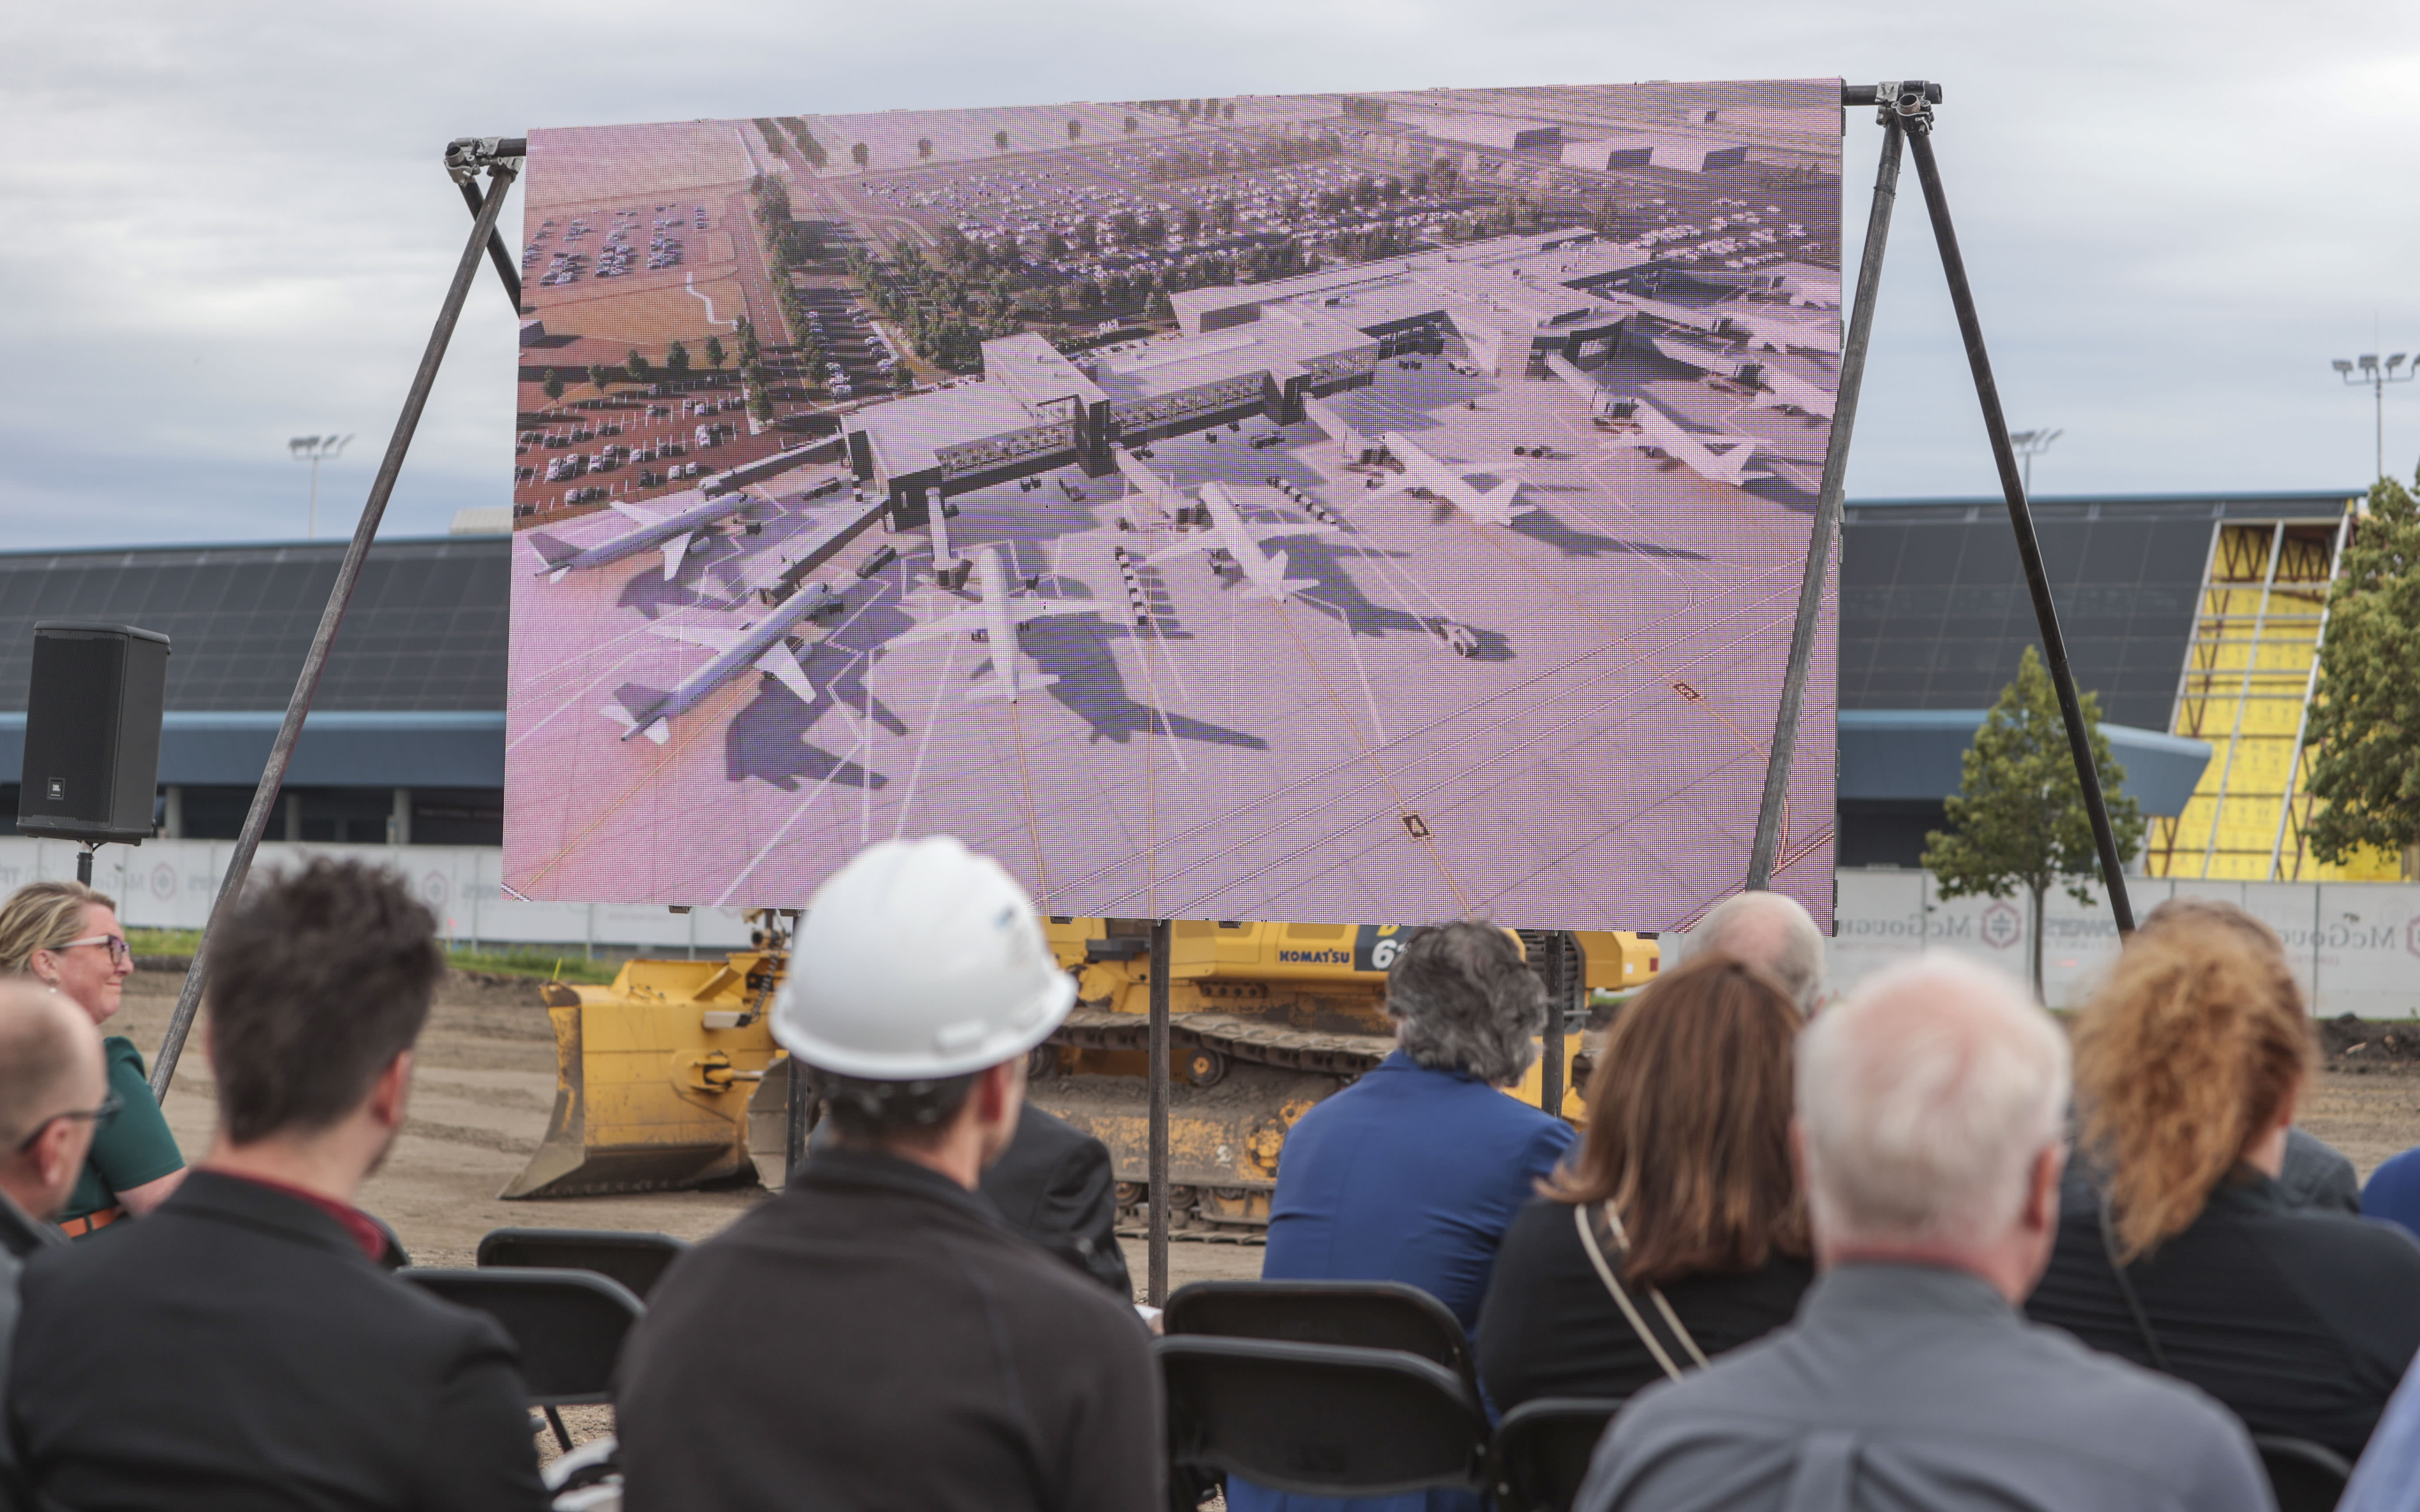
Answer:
(2041, 1188)
(391, 1094)
(52, 1152)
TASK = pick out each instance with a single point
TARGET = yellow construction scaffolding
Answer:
(2249, 673)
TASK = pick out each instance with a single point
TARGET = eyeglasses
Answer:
(99, 1117)
(118, 950)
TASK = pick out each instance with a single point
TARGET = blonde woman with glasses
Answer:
(65, 937)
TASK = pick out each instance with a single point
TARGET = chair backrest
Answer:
(1321, 1419)
(1362, 1315)
(569, 1325)
(636, 1261)
(2305, 1476)
(1543, 1448)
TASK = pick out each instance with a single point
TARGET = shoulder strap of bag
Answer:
(2126, 1289)
(1581, 1215)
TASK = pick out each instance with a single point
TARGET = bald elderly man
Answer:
(1770, 930)
(54, 1094)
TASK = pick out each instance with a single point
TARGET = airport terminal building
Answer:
(2195, 617)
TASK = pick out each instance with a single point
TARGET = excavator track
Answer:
(1239, 1039)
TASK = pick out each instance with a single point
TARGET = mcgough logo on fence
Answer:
(2002, 927)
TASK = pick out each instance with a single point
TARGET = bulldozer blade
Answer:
(643, 1101)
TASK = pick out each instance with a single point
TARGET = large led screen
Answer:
(1319, 508)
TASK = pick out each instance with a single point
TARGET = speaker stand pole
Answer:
(84, 863)
(464, 163)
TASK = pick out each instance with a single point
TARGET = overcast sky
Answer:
(223, 225)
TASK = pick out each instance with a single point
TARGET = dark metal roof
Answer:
(1935, 612)
(426, 632)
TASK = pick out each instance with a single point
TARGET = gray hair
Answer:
(1468, 1002)
(45, 1043)
(1924, 1099)
(1771, 930)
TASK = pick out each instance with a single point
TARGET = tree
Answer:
(553, 384)
(715, 355)
(1054, 246)
(1189, 221)
(2019, 818)
(860, 154)
(597, 376)
(676, 357)
(1132, 125)
(1075, 130)
(761, 408)
(923, 146)
(999, 140)
(2364, 728)
(636, 364)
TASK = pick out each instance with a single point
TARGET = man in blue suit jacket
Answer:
(1414, 1172)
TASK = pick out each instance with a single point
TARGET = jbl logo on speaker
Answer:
(58, 790)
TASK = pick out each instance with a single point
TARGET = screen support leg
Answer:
(1156, 1242)
(1826, 530)
(501, 173)
(1916, 117)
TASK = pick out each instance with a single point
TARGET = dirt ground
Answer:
(480, 1098)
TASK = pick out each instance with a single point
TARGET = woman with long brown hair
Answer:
(2176, 1247)
(1677, 1230)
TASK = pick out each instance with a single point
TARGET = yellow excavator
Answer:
(668, 1078)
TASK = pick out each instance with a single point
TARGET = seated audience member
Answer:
(1054, 1184)
(65, 937)
(1929, 1135)
(2393, 1193)
(1414, 1172)
(53, 1092)
(1768, 930)
(2387, 1478)
(2316, 1173)
(1694, 1237)
(2178, 1250)
(240, 1347)
(903, 1348)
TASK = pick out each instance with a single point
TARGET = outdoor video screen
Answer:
(1315, 508)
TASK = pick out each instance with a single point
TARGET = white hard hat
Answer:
(918, 959)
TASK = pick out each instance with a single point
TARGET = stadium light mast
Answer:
(2031, 444)
(315, 450)
(2367, 370)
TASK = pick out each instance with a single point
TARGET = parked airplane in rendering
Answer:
(1658, 431)
(1786, 390)
(647, 711)
(1498, 506)
(1264, 573)
(997, 611)
(675, 529)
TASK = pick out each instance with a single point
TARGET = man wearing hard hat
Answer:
(875, 1338)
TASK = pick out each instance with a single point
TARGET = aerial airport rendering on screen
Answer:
(1314, 508)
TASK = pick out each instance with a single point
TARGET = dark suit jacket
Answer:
(236, 1350)
(1055, 1186)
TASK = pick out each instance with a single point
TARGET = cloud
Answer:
(226, 225)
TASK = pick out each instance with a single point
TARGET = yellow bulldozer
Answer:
(668, 1078)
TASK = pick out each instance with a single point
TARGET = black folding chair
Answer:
(568, 1324)
(1541, 1450)
(2305, 1476)
(1362, 1315)
(636, 1261)
(1318, 1419)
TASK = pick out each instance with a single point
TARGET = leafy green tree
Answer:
(1054, 246)
(860, 154)
(636, 365)
(1075, 130)
(761, 408)
(676, 357)
(1132, 125)
(2019, 818)
(553, 384)
(715, 355)
(999, 141)
(925, 147)
(1189, 221)
(2364, 728)
(598, 376)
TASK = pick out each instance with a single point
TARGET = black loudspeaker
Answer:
(92, 731)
